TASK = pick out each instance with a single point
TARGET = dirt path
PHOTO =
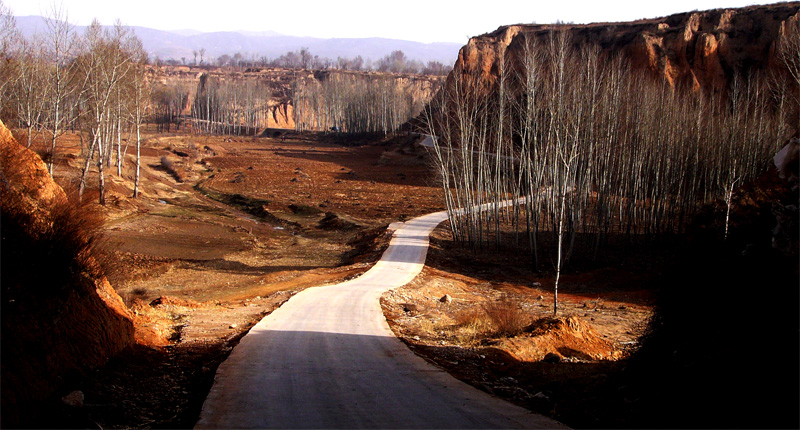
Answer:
(330, 360)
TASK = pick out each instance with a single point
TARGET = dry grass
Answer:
(507, 316)
(471, 324)
(428, 325)
(504, 317)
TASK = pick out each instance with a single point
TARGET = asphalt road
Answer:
(327, 359)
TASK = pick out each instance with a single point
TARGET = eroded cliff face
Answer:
(694, 50)
(60, 317)
(279, 83)
(192, 81)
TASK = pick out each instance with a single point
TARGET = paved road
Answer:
(327, 359)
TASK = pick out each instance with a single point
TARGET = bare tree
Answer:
(9, 40)
(60, 50)
(141, 94)
(305, 58)
(27, 89)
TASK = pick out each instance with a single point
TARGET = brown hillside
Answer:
(60, 317)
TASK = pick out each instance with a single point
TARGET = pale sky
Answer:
(418, 20)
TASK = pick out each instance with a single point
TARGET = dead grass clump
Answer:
(507, 316)
(472, 323)
(427, 325)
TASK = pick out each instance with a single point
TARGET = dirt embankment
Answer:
(60, 317)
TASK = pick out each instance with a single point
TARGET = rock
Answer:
(786, 160)
(540, 298)
(410, 307)
(446, 299)
(233, 325)
(536, 284)
(74, 399)
(552, 357)
(541, 396)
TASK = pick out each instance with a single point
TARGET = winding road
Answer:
(327, 359)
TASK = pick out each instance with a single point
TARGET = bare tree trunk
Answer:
(138, 161)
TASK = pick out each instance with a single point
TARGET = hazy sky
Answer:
(420, 20)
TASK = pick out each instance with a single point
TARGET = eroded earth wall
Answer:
(60, 316)
(694, 49)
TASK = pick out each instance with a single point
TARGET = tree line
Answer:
(596, 149)
(395, 62)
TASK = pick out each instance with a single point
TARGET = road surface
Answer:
(327, 359)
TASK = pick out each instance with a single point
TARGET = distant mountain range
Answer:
(182, 43)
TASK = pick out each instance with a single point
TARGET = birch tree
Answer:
(60, 51)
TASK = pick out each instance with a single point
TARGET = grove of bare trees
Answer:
(598, 150)
(92, 83)
(230, 106)
(354, 103)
